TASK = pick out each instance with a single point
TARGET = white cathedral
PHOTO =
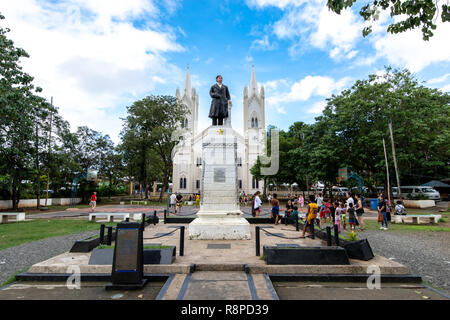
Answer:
(187, 159)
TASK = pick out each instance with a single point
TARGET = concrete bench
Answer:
(416, 218)
(109, 216)
(20, 216)
(138, 202)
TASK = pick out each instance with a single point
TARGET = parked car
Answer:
(417, 191)
(339, 190)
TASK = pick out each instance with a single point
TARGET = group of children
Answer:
(335, 213)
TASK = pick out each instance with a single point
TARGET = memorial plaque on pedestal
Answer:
(128, 268)
(219, 174)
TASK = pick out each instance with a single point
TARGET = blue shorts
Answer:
(275, 211)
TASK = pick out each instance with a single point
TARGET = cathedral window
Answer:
(256, 122)
(197, 184)
(253, 122)
(182, 183)
(186, 123)
(255, 183)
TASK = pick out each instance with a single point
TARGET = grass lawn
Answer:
(14, 234)
(12, 278)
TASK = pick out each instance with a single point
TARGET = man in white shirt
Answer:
(349, 200)
(319, 201)
(173, 199)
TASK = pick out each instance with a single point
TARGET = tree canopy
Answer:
(410, 13)
(350, 130)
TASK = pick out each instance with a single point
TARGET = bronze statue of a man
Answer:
(220, 100)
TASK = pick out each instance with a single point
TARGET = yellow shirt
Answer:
(312, 211)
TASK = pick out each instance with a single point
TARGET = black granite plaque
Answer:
(127, 265)
(127, 249)
(219, 174)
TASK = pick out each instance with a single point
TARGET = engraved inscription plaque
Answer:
(126, 250)
(219, 174)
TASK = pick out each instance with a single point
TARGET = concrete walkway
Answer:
(224, 285)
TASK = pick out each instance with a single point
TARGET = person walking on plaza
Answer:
(333, 210)
(275, 208)
(301, 201)
(340, 211)
(388, 210)
(311, 214)
(351, 217)
(173, 202)
(93, 202)
(319, 201)
(258, 204)
(197, 200)
(289, 209)
(179, 202)
(382, 214)
(359, 212)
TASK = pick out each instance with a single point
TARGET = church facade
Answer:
(187, 157)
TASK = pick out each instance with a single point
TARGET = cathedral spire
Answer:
(253, 84)
(187, 84)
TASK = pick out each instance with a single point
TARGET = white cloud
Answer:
(315, 86)
(446, 88)
(409, 50)
(318, 107)
(275, 3)
(90, 56)
(439, 79)
(282, 92)
(264, 44)
(311, 23)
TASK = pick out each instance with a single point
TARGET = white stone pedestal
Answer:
(219, 217)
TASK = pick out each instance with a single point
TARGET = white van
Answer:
(416, 191)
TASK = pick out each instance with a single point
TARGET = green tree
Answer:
(353, 124)
(21, 110)
(413, 14)
(147, 138)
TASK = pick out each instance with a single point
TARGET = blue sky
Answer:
(97, 57)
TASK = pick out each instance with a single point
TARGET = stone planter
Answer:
(305, 255)
(159, 256)
(86, 245)
(359, 249)
(419, 203)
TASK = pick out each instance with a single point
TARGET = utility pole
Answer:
(38, 173)
(399, 191)
(387, 171)
(49, 151)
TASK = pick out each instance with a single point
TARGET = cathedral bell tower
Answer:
(254, 129)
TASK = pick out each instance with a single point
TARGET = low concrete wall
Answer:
(419, 203)
(30, 203)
